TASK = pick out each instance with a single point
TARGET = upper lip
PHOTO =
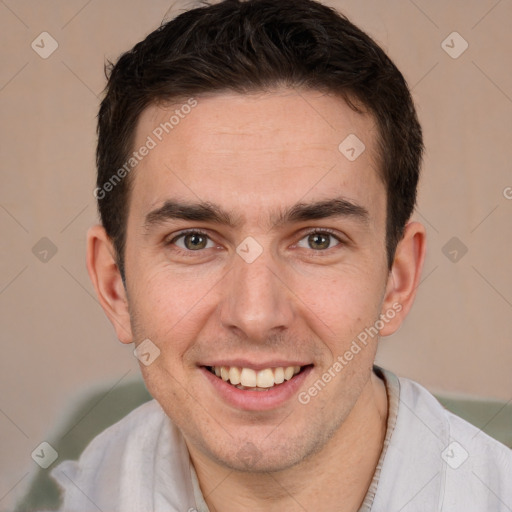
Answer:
(244, 363)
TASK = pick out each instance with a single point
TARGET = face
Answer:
(254, 244)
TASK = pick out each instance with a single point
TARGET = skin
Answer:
(255, 155)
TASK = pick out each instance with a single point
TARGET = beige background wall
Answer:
(57, 344)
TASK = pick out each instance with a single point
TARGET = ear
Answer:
(106, 278)
(404, 277)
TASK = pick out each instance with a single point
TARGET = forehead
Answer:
(255, 152)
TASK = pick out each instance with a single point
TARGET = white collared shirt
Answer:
(431, 461)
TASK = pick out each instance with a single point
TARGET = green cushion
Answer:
(103, 409)
(491, 416)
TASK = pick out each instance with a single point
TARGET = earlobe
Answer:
(106, 278)
(404, 277)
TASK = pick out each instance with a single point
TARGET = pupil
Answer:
(316, 239)
(195, 241)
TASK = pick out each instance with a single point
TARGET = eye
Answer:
(319, 240)
(192, 241)
(195, 241)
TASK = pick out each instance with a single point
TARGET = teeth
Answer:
(279, 375)
(248, 379)
(243, 388)
(265, 378)
(234, 375)
(288, 372)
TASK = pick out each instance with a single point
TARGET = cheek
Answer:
(166, 308)
(345, 302)
(166, 311)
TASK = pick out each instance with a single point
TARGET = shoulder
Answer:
(104, 472)
(430, 410)
(141, 424)
(474, 469)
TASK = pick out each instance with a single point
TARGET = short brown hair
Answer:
(250, 46)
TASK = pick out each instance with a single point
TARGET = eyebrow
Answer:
(299, 212)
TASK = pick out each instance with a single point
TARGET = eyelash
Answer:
(313, 231)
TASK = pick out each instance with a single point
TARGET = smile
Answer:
(248, 379)
(256, 387)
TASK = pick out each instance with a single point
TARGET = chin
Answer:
(268, 453)
(249, 459)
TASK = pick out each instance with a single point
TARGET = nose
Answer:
(257, 301)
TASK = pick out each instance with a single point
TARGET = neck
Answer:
(338, 476)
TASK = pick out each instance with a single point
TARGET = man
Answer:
(257, 170)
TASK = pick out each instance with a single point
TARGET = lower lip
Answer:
(257, 400)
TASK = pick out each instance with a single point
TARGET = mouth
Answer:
(248, 379)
